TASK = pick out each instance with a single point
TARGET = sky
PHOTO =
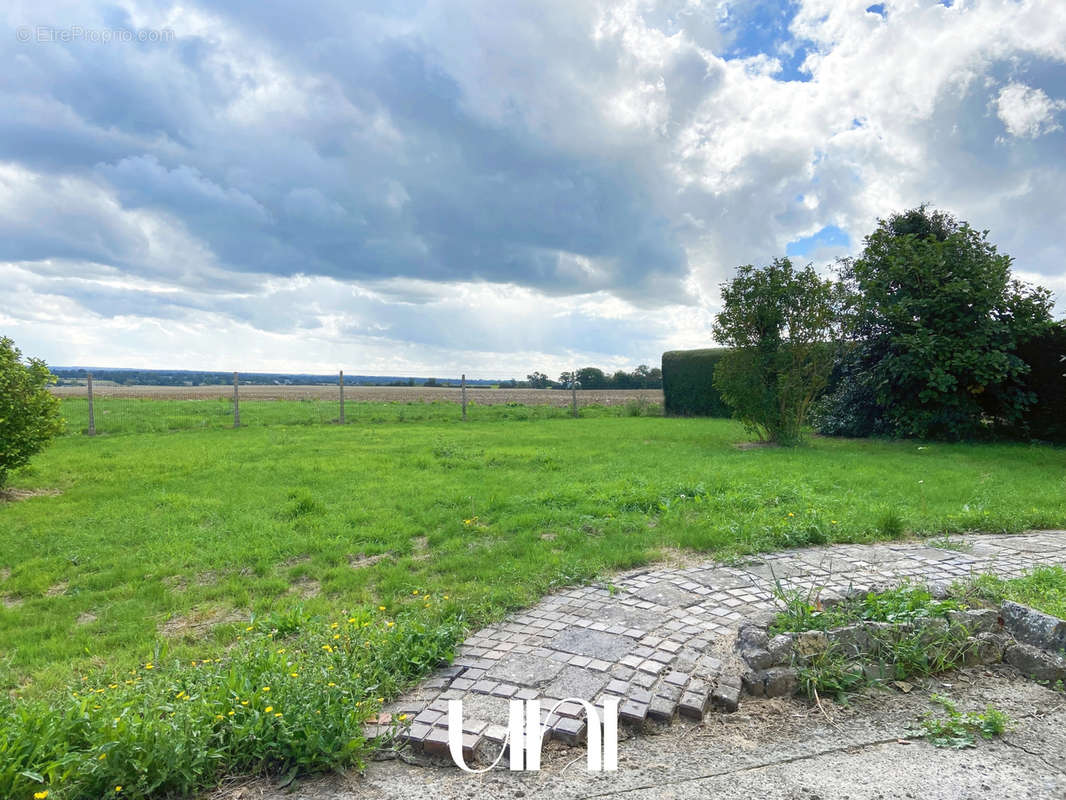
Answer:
(490, 188)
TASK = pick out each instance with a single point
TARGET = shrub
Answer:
(781, 324)
(1046, 357)
(29, 413)
(688, 387)
(939, 319)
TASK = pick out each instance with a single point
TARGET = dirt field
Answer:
(371, 394)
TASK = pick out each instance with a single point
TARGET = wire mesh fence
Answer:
(96, 407)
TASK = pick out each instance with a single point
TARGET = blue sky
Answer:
(438, 187)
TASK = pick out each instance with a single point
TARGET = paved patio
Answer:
(661, 639)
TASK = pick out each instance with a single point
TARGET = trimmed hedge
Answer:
(687, 387)
(1046, 419)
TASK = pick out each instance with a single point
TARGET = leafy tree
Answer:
(592, 378)
(937, 320)
(29, 413)
(538, 380)
(781, 324)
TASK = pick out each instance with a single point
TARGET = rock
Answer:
(932, 630)
(852, 640)
(758, 658)
(752, 637)
(726, 694)
(1034, 627)
(773, 682)
(810, 643)
(1036, 663)
(780, 649)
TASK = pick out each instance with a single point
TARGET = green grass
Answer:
(201, 525)
(902, 604)
(167, 547)
(1043, 588)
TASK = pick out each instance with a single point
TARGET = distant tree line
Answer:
(643, 377)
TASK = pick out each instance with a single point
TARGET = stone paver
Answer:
(660, 638)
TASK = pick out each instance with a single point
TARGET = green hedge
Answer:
(687, 387)
(1047, 418)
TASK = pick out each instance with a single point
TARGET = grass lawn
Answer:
(180, 538)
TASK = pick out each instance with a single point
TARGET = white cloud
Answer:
(1028, 112)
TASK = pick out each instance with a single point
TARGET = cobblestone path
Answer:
(661, 639)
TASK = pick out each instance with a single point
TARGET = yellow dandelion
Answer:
(101, 757)
(415, 591)
(266, 688)
(118, 789)
(389, 624)
(334, 625)
(149, 666)
(381, 608)
(40, 795)
(294, 674)
(402, 717)
(230, 713)
(336, 636)
(278, 714)
(244, 702)
(351, 619)
(250, 627)
(331, 683)
(268, 709)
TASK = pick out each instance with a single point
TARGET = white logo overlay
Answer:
(525, 734)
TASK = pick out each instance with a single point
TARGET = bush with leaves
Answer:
(29, 413)
(781, 323)
(938, 320)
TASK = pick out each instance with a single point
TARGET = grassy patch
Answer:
(904, 604)
(1044, 588)
(959, 730)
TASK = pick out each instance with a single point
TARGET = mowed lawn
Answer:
(165, 544)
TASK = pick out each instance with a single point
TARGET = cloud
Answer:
(571, 179)
(1027, 112)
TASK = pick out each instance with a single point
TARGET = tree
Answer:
(538, 380)
(29, 413)
(781, 324)
(592, 378)
(937, 320)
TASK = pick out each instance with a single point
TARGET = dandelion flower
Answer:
(149, 666)
(268, 709)
(266, 688)
(381, 608)
(40, 795)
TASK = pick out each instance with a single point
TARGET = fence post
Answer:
(573, 394)
(462, 388)
(92, 417)
(342, 397)
(236, 403)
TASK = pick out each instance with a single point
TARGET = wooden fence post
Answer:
(92, 416)
(236, 403)
(573, 394)
(342, 397)
(462, 388)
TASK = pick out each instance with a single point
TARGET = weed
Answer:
(890, 525)
(282, 700)
(960, 730)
